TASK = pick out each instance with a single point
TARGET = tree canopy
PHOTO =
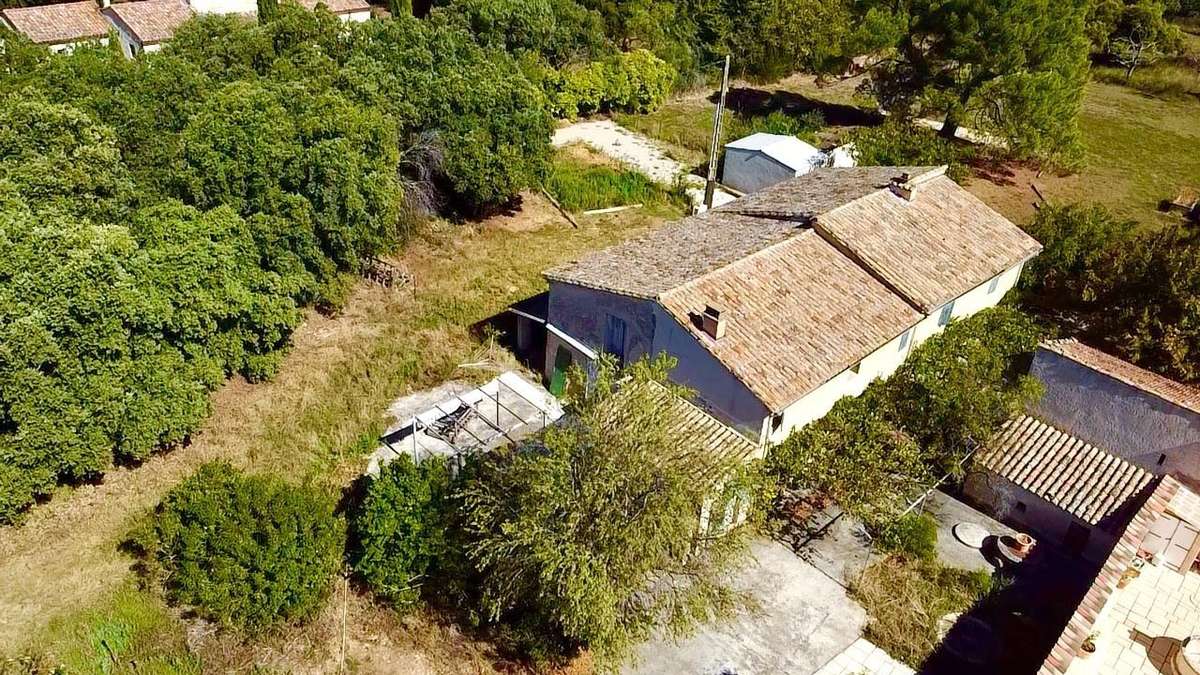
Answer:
(165, 218)
(593, 528)
(1012, 68)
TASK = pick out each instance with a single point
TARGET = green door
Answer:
(558, 378)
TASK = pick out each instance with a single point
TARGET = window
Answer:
(1021, 507)
(904, 338)
(947, 312)
(614, 337)
(776, 421)
(856, 368)
(1162, 459)
(993, 285)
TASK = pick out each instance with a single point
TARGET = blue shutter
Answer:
(614, 337)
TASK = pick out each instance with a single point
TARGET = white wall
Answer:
(999, 498)
(884, 361)
(356, 17)
(68, 47)
(225, 6)
(1120, 418)
(717, 390)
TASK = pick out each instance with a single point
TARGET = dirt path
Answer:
(64, 553)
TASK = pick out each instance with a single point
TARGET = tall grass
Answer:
(1172, 79)
(131, 632)
(580, 187)
(905, 598)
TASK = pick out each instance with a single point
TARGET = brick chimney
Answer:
(712, 323)
(906, 186)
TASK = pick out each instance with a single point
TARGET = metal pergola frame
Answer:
(449, 435)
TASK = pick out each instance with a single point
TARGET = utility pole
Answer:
(710, 186)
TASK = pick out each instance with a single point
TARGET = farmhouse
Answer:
(761, 160)
(144, 25)
(1145, 418)
(59, 27)
(778, 304)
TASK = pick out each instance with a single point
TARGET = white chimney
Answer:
(712, 322)
(906, 186)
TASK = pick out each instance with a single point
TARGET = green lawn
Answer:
(1140, 148)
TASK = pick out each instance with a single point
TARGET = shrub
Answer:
(913, 536)
(898, 143)
(398, 531)
(1079, 241)
(635, 82)
(248, 552)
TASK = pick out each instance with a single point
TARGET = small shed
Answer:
(761, 160)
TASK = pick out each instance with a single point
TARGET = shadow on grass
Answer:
(752, 102)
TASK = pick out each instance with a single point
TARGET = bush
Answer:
(913, 536)
(898, 143)
(1073, 268)
(249, 552)
(398, 532)
(634, 82)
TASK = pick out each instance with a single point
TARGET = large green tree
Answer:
(594, 527)
(1011, 68)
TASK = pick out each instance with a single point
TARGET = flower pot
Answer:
(1024, 543)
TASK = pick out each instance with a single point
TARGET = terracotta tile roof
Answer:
(1169, 390)
(797, 314)
(58, 24)
(1079, 478)
(932, 249)
(675, 253)
(338, 6)
(1080, 625)
(816, 271)
(149, 21)
(703, 432)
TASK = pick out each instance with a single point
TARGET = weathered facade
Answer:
(779, 304)
(1137, 415)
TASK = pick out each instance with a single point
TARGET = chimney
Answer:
(906, 186)
(104, 4)
(712, 322)
(902, 186)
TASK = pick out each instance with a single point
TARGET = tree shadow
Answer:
(1012, 629)
(753, 102)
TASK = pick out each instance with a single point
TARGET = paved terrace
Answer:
(1144, 624)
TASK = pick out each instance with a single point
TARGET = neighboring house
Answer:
(346, 10)
(59, 27)
(1138, 608)
(1061, 489)
(1145, 418)
(783, 302)
(143, 26)
(761, 160)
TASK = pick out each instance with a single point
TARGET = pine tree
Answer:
(267, 10)
(1011, 68)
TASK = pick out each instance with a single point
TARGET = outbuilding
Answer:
(762, 160)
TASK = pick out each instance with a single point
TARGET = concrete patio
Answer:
(804, 620)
